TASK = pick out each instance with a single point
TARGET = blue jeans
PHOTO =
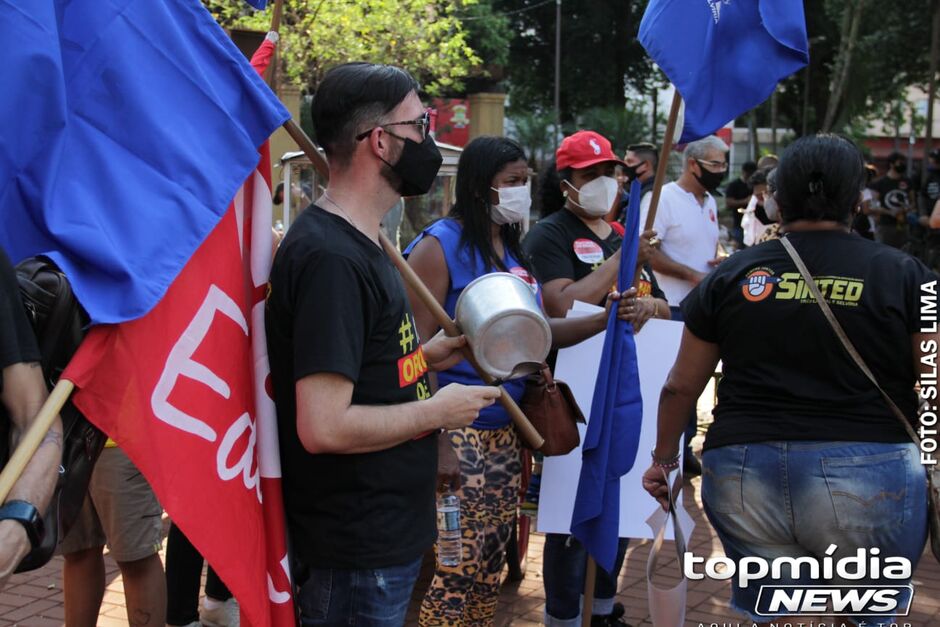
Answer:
(795, 499)
(563, 568)
(362, 598)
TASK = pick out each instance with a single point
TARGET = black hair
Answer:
(896, 156)
(749, 168)
(759, 177)
(350, 98)
(550, 188)
(819, 177)
(645, 152)
(481, 160)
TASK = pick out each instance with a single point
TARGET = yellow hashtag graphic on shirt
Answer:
(405, 331)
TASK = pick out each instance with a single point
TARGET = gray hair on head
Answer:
(700, 148)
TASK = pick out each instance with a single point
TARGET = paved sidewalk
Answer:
(35, 599)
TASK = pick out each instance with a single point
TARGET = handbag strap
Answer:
(846, 342)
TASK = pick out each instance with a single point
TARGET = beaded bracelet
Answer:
(668, 464)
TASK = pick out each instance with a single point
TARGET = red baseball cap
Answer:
(582, 150)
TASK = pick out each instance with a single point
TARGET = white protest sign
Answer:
(657, 345)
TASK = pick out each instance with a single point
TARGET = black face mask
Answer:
(710, 180)
(900, 167)
(631, 171)
(417, 166)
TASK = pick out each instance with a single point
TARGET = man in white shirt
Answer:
(687, 221)
(687, 224)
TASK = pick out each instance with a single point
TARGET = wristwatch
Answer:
(27, 515)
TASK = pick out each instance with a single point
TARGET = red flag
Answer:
(185, 392)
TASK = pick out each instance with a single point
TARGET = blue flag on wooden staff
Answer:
(724, 56)
(127, 128)
(613, 431)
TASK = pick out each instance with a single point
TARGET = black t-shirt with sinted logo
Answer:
(561, 246)
(786, 376)
(338, 305)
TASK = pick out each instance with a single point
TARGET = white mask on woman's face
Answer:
(514, 204)
(771, 208)
(597, 197)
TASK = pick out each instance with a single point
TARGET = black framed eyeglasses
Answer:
(424, 124)
(719, 166)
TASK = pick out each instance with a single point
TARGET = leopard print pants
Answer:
(490, 466)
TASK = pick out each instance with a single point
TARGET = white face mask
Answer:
(514, 204)
(597, 197)
(771, 208)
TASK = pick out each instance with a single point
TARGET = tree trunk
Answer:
(754, 140)
(847, 41)
(773, 121)
(932, 84)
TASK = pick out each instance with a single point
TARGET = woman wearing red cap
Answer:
(481, 235)
(576, 256)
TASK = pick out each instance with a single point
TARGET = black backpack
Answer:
(59, 323)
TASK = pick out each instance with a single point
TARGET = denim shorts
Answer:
(795, 499)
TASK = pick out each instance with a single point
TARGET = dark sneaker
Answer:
(614, 619)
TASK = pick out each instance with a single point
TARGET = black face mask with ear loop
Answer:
(417, 167)
(710, 180)
(631, 171)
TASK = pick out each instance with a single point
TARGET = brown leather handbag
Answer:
(550, 407)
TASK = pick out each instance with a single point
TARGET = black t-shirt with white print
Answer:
(786, 376)
(338, 305)
(561, 246)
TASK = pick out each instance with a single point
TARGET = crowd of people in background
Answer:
(365, 449)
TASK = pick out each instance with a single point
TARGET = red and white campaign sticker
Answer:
(588, 251)
(523, 274)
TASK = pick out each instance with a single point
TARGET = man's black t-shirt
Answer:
(337, 305)
(893, 194)
(786, 376)
(561, 246)
(737, 190)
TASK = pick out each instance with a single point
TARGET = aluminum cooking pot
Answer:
(504, 325)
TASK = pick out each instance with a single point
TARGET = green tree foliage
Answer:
(621, 125)
(599, 54)
(890, 54)
(427, 38)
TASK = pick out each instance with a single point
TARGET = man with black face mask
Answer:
(687, 224)
(357, 424)
(896, 195)
(640, 164)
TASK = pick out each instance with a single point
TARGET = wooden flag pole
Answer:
(590, 577)
(528, 432)
(33, 437)
(271, 72)
(660, 179)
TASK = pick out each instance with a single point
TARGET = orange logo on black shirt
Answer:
(758, 284)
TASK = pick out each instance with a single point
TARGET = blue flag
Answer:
(258, 4)
(613, 432)
(125, 131)
(724, 56)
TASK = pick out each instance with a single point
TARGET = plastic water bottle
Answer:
(448, 530)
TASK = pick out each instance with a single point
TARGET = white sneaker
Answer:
(224, 615)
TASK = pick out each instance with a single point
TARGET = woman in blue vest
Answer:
(481, 235)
